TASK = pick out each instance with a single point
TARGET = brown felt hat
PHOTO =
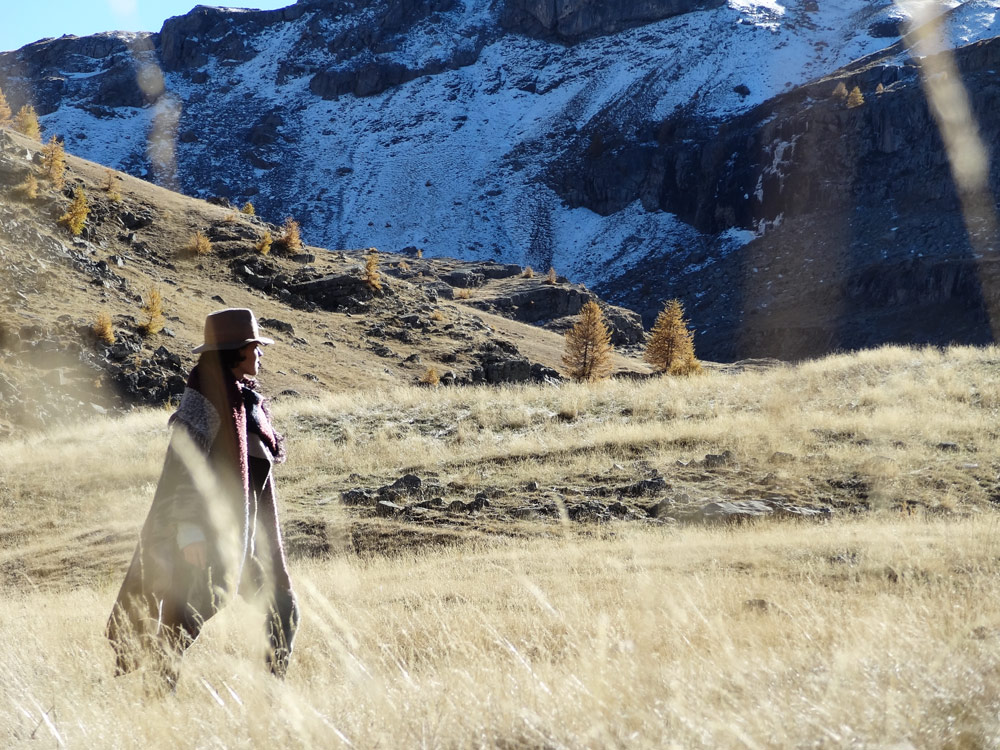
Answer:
(231, 329)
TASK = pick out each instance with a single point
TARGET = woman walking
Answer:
(212, 529)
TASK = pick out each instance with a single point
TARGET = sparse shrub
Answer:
(110, 186)
(102, 328)
(29, 188)
(230, 218)
(463, 294)
(855, 98)
(76, 216)
(528, 273)
(290, 240)
(437, 316)
(670, 348)
(568, 413)
(248, 209)
(588, 346)
(840, 91)
(5, 113)
(199, 244)
(420, 253)
(431, 377)
(371, 275)
(54, 163)
(403, 265)
(152, 311)
(550, 277)
(263, 245)
(26, 121)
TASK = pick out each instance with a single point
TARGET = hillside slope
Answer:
(333, 331)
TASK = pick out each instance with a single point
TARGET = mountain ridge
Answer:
(399, 124)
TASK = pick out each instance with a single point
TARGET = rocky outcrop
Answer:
(572, 20)
(189, 41)
(105, 70)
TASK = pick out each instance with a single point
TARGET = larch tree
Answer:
(5, 113)
(54, 163)
(588, 346)
(670, 348)
(76, 216)
(26, 121)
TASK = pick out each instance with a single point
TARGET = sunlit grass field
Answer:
(879, 628)
(871, 633)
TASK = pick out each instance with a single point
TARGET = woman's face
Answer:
(250, 365)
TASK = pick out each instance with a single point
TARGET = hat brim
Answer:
(221, 347)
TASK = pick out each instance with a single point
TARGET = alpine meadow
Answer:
(726, 475)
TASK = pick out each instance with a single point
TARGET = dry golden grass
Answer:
(863, 633)
(28, 189)
(867, 631)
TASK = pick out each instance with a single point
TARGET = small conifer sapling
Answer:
(199, 244)
(431, 377)
(26, 122)
(152, 311)
(76, 216)
(855, 98)
(290, 239)
(54, 163)
(248, 209)
(102, 328)
(5, 113)
(550, 277)
(587, 356)
(371, 275)
(264, 243)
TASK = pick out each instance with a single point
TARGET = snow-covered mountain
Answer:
(541, 132)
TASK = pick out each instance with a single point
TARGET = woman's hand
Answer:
(196, 554)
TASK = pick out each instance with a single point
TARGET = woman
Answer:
(212, 530)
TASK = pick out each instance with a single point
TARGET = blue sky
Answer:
(26, 21)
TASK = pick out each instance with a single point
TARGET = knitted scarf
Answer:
(259, 420)
(226, 446)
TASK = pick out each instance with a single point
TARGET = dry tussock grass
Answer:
(918, 426)
(858, 634)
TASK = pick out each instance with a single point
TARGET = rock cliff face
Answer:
(865, 238)
(572, 20)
